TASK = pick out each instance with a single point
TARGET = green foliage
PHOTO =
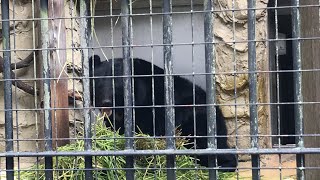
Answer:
(110, 167)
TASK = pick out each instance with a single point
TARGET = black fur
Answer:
(183, 95)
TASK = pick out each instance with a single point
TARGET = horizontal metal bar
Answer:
(161, 44)
(161, 13)
(162, 137)
(159, 106)
(179, 168)
(164, 152)
(163, 75)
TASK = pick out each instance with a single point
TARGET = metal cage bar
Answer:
(113, 74)
(249, 151)
(277, 93)
(36, 84)
(127, 45)
(234, 59)
(127, 88)
(210, 62)
(84, 41)
(46, 86)
(152, 80)
(192, 21)
(169, 86)
(297, 79)
(253, 87)
(7, 87)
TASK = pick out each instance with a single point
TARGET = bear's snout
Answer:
(105, 107)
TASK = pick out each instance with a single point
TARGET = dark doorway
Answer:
(281, 85)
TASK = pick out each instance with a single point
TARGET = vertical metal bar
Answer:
(15, 89)
(7, 87)
(277, 73)
(152, 72)
(210, 85)
(152, 84)
(277, 82)
(112, 27)
(46, 85)
(193, 82)
(169, 86)
(234, 60)
(72, 5)
(297, 79)
(113, 80)
(36, 99)
(253, 87)
(128, 127)
(84, 40)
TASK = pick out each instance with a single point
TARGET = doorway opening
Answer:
(281, 83)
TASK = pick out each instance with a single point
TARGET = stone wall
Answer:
(234, 89)
(25, 126)
(27, 123)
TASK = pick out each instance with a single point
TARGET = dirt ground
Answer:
(270, 168)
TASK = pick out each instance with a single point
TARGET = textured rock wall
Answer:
(24, 36)
(234, 88)
(25, 126)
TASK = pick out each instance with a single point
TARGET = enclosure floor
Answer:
(272, 161)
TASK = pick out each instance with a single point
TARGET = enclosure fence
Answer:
(247, 73)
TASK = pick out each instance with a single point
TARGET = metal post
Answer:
(7, 87)
(297, 79)
(46, 85)
(210, 85)
(253, 87)
(169, 86)
(127, 71)
(85, 39)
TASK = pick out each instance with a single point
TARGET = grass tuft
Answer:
(111, 167)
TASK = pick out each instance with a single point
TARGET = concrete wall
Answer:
(231, 89)
(144, 34)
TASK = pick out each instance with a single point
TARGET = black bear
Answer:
(144, 118)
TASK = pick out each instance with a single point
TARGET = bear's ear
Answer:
(96, 61)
